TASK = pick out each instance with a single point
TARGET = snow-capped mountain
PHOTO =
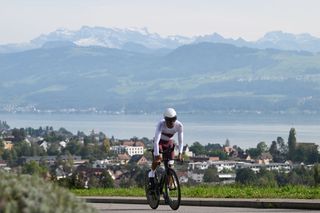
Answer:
(112, 38)
(216, 38)
(288, 41)
(141, 40)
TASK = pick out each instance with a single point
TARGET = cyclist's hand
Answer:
(180, 157)
(158, 158)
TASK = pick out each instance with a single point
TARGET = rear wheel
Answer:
(153, 195)
(172, 189)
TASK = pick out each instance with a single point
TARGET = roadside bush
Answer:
(246, 176)
(26, 193)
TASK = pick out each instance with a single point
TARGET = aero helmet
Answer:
(169, 113)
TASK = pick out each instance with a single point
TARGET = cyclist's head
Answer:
(170, 116)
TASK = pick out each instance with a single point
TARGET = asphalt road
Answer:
(139, 208)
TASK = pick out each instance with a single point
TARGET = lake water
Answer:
(242, 130)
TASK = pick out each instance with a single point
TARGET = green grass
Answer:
(230, 191)
(127, 192)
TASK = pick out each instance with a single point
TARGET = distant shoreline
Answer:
(241, 130)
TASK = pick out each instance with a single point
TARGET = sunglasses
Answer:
(170, 119)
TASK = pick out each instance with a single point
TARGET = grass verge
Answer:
(230, 191)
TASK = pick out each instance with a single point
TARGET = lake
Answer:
(242, 130)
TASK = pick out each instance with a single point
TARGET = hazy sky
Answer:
(23, 20)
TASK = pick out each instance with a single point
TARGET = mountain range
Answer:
(134, 71)
(142, 40)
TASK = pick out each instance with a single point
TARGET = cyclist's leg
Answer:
(171, 146)
(155, 164)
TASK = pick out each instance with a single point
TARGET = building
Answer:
(118, 149)
(123, 158)
(198, 165)
(264, 158)
(138, 159)
(227, 165)
(49, 159)
(100, 163)
(130, 147)
(187, 152)
(132, 143)
(134, 150)
(285, 167)
(8, 145)
(197, 177)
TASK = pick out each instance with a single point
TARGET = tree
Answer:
(316, 174)
(1, 148)
(281, 178)
(101, 136)
(63, 131)
(93, 182)
(36, 150)
(211, 175)
(139, 177)
(227, 144)
(197, 148)
(33, 168)
(87, 152)
(23, 148)
(245, 176)
(239, 151)
(19, 134)
(283, 148)
(4, 125)
(106, 145)
(254, 152)
(54, 149)
(148, 155)
(211, 147)
(78, 180)
(266, 178)
(106, 180)
(282, 151)
(126, 182)
(218, 153)
(68, 164)
(292, 142)
(262, 147)
(306, 153)
(274, 150)
(301, 176)
(73, 147)
(8, 154)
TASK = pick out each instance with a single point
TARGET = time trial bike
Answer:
(166, 183)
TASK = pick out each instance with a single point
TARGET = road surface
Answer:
(139, 208)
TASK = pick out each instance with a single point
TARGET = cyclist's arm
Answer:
(157, 139)
(180, 138)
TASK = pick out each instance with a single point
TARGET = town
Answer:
(95, 160)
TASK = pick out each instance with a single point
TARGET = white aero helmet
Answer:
(170, 113)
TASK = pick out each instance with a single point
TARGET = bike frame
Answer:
(161, 185)
(162, 175)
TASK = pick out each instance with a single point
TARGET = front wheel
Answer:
(172, 189)
(153, 195)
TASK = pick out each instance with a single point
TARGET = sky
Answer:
(24, 20)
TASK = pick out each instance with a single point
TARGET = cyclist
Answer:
(163, 140)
